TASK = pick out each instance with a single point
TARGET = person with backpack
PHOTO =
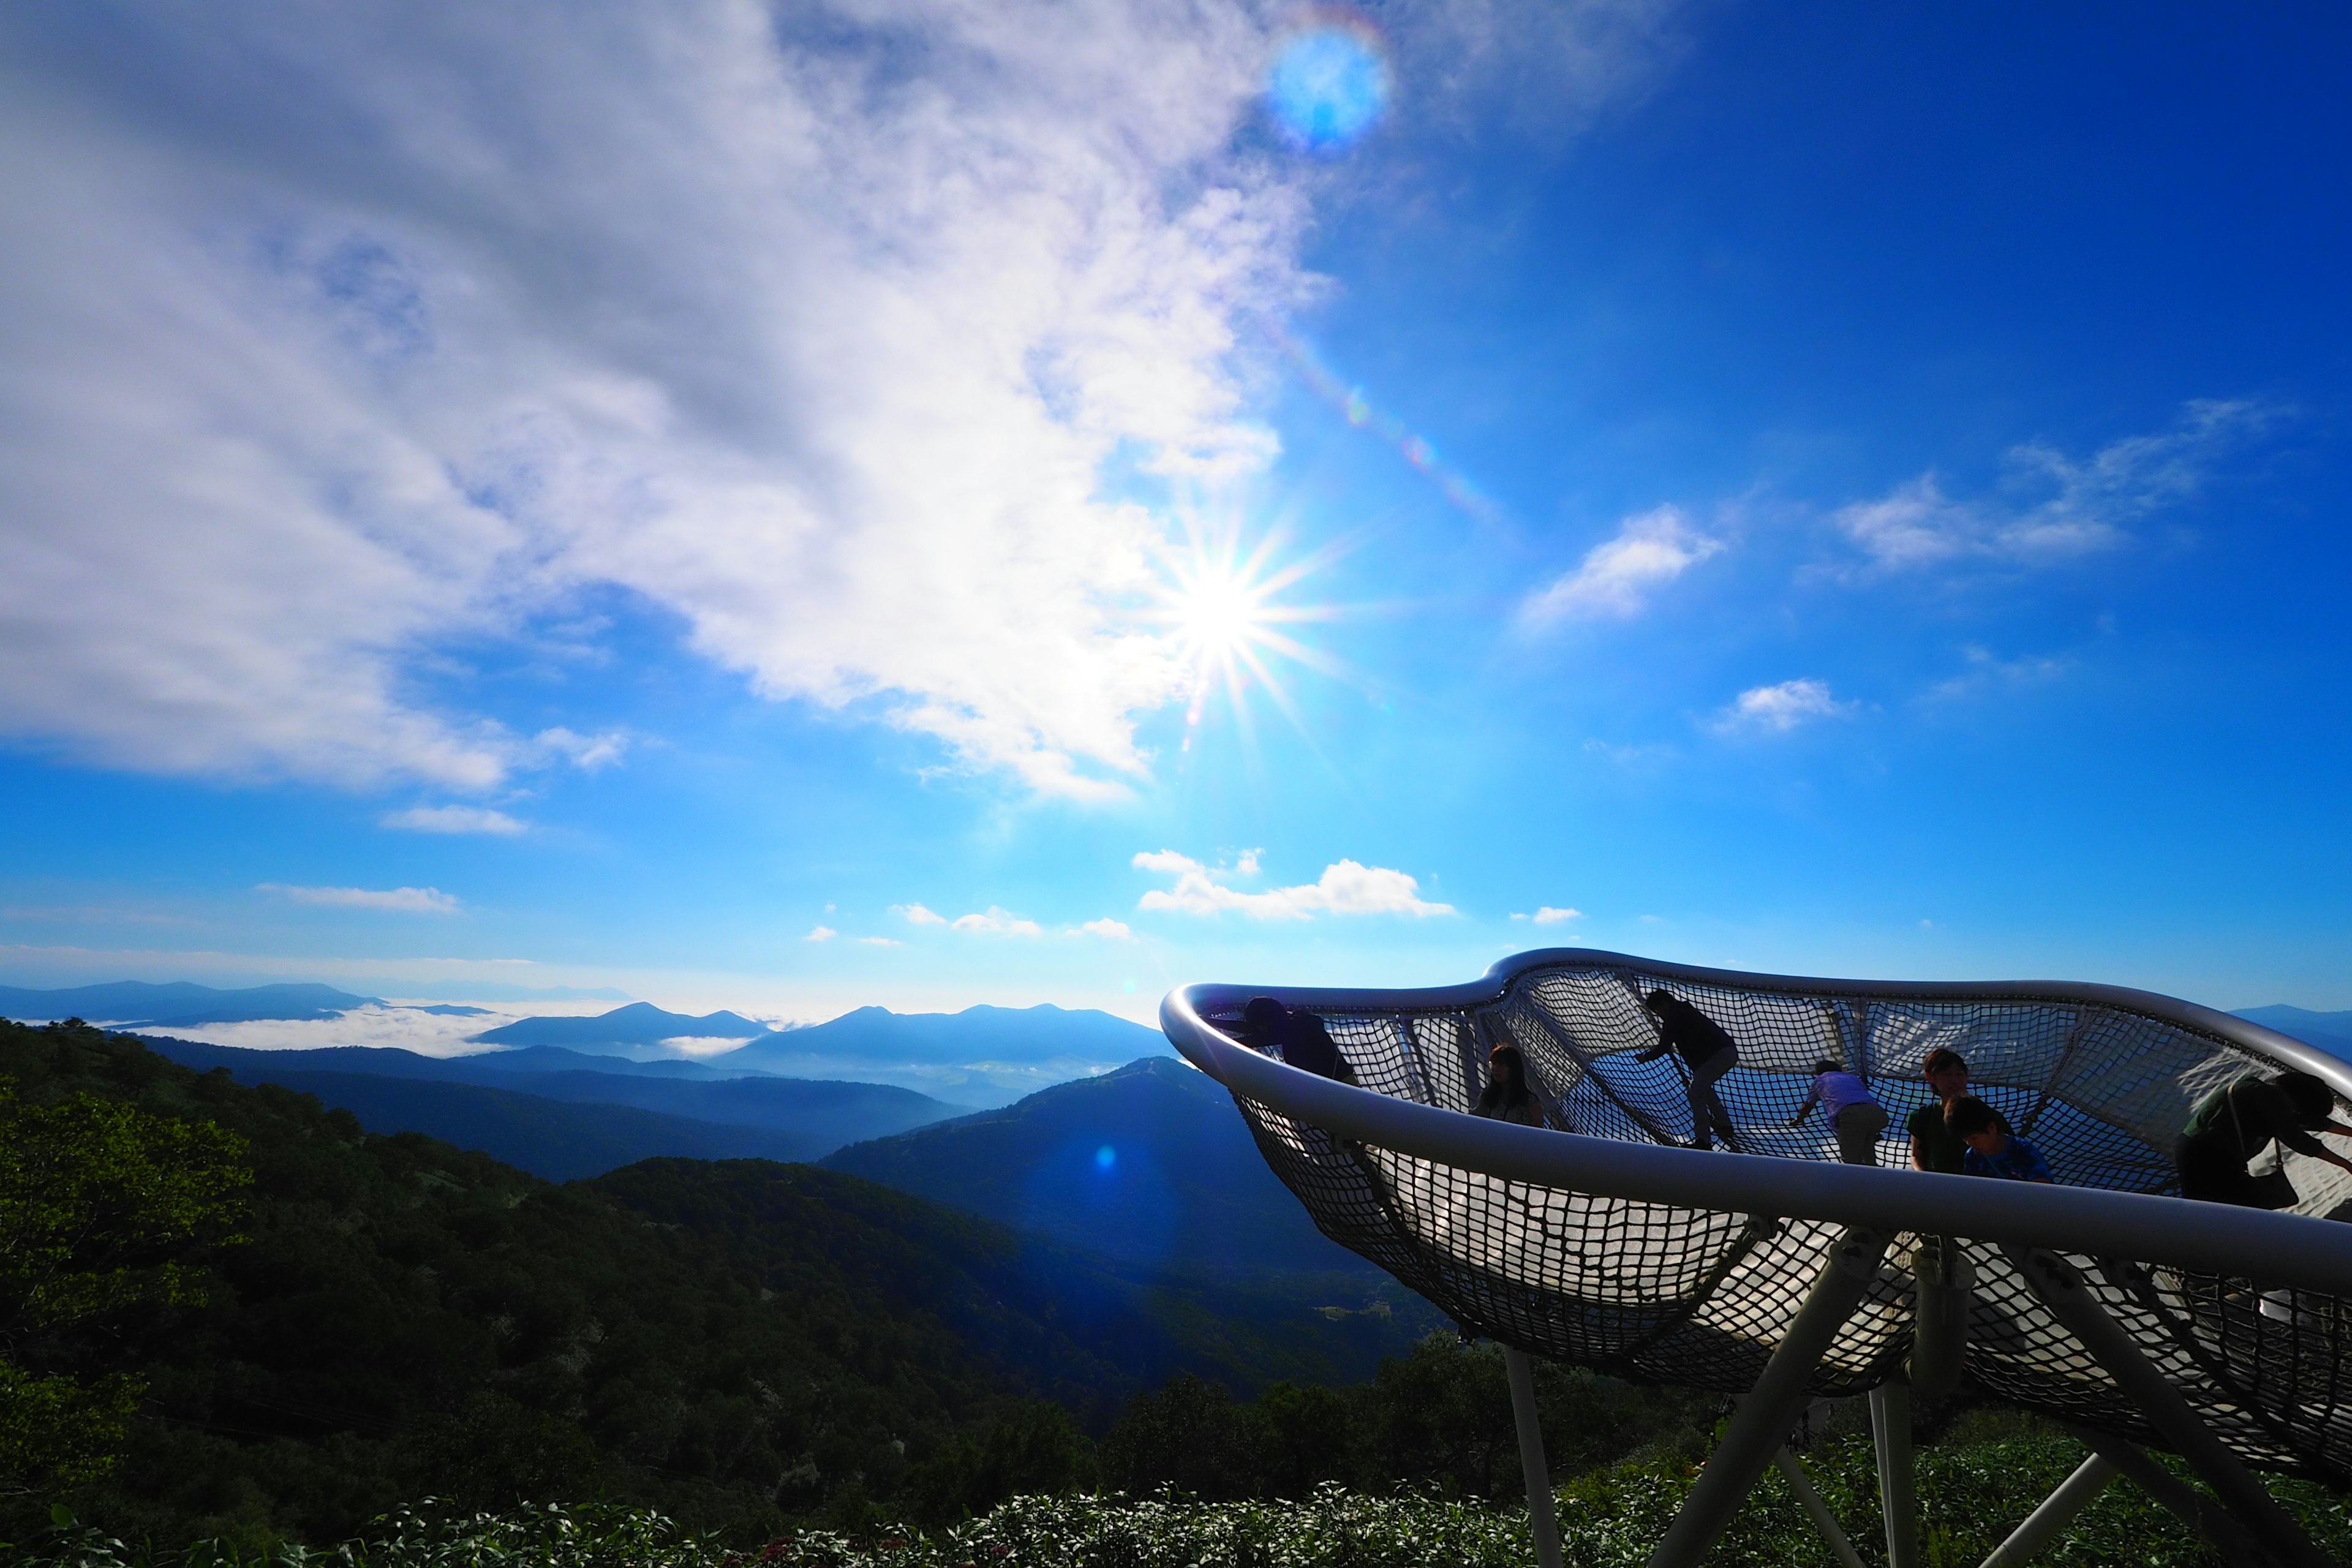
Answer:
(2234, 1124)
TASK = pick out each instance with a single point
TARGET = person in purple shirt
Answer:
(1993, 1151)
(1854, 1115)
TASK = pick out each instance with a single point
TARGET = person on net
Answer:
(1506, 1097)
(1933, 1146)
(1299, 1037)
(1993, 1149)
(1854, 1115)
(1707, 1051)
(2230, 1126)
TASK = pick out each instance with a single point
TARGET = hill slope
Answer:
(640, 1024)
(1151, 1164)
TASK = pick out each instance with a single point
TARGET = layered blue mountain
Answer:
(2331, 1032)
(979, 1058)
(180, 1004)
(1148, 1164)
(562, 1115)
(640, 1024)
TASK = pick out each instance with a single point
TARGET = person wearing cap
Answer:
(1707, 1050)
(1933, 1146)
(2230, 1126)
(1508, 1097)
(1854, 1115)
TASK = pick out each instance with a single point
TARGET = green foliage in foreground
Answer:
(1971, 1497)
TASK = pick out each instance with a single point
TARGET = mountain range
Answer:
(182, 1004)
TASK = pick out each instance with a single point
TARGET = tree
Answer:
(105, 1210)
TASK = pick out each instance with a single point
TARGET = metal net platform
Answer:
(1618, 1249)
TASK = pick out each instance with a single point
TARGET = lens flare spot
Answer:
(1330, 84)
(1106, 1157)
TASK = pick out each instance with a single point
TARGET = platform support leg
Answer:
(2062, 1289)
(1760, 1427)
(1899, 1498)
(2057, 1510)
(2230, 1540)
(1531, 1457)
(1824, 1520)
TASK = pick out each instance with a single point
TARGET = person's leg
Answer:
(1707, 1114)
(1858, 1127)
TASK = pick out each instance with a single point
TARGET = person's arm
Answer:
(1805, 1106)
(1918, 1153)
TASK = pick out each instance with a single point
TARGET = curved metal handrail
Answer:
(2279, 1249)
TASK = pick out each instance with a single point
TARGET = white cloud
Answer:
(915, 915)
(1777, 710)
(880, 941)
(2050, 506)
(821, 933)
(1616, 578)
(421, 319)
(586, 753)
(1345, 888)
(998, 923)
(1548, 916)
(405, 900)
(1107, 929)
(453, 819)
(1986, 673)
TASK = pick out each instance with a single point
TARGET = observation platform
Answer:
(1776, 1274)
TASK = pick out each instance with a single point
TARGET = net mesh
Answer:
(1701, 1299)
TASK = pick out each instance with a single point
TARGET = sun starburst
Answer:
(1224, 616)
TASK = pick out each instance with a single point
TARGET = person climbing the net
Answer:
(2233, 1126)
(1854, 1115)
(1707, 1051)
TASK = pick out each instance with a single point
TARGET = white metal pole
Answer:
(2057, 1510)
(1815, 1504)
(1531, 1457)
(1898, 1499)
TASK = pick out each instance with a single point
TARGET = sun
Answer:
(1224, 619)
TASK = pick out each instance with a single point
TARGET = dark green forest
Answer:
(743, 1344)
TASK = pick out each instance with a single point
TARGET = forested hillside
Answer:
(739, 1343)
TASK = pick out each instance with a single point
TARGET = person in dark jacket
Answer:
(1707, 1051)
(1298, 1038)
(1506, 1097)
(2230, 1126)
(1934, 1146)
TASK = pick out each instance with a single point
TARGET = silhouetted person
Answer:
(1506, 1097)
(1707, 1051)
(2232, 1125)
(1298, 1038)
(1854, 1115)
(1933, 1146)
(1993, 1149)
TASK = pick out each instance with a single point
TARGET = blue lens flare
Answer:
(1106, 1157)
(1330, 85)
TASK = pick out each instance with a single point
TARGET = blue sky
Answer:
(563, 496)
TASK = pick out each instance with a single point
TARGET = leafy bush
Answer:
(1969, 1499)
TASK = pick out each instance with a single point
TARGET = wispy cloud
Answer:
(994, 922)
(1986, 673)
(1547, 915)
(409, 359)
(2049, 507)
(1346, 887)
(1777, 710)
(880, 941)
(403, 901)
(821, 933)
(916, 915)
(1107, 929)
(453, 819)
(1616, 579)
